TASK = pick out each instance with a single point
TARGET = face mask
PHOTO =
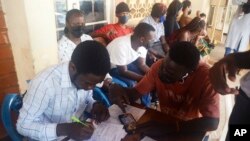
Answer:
(162, 18)
(189, 12)
(77, 31)
(123, 19)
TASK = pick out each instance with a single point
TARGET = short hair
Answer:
(197, 24)
(143, 29)
(185, 4)
(158, 8)
(185, 54)
(71, 13)
(91, 57)
(203, 15)
(121, 7)
(246, 8)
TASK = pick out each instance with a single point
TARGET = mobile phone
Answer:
(129, 122)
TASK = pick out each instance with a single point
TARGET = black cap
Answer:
(122, 7)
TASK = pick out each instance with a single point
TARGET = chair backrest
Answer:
(11, 102)
(99, 95)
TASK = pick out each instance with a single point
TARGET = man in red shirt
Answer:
(182, 84)
(112, 31)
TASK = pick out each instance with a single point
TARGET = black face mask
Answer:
(77, 31)
(189, 12)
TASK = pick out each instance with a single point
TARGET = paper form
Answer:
(112, 129)
(108, 132)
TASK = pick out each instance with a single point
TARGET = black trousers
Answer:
(241, 111)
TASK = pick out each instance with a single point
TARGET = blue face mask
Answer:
(162, 19)
(123, 19)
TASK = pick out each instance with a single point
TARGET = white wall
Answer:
(201, 5)
(32, 32)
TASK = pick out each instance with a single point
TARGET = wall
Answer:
(32, 32)
(201, 5)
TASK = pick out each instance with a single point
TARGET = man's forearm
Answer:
(62, 129)
(199, 125)
(132, 94)
(131, 75)
(242, 60)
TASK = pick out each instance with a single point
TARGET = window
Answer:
(95, 13)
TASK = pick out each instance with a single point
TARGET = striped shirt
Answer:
(51, 99)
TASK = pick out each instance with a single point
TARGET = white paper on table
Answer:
(146, 138)
(112, 129)
(136, 112)
(108, 132)
(115, 111)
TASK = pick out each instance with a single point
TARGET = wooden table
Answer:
(149, 125)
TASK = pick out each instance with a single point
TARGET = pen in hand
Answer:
(75, 119)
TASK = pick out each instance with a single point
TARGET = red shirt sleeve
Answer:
(148, 82)
(210, 102)
(102, 30)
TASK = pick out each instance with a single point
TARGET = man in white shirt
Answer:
(63, 91)
(157, 50)
(128, 54)
(74, 34)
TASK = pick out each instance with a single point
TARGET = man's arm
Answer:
(242, 60)
(35, 103)
(230, 64)
(142, 64)
(123, 70)
(202, 124)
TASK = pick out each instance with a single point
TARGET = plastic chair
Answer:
(99, 95)
(11, 102)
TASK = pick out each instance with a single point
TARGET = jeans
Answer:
(146, 99)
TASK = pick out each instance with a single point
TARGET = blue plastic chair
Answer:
(99, 95)
(11, 102)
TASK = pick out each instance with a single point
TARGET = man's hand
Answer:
(80, 132)
(218, 72)
(107, 83)
(118, 96)
(99, 112)
(75, 130)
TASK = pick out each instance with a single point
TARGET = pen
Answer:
(75, 119)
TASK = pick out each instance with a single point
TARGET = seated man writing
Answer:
(63, 91)
(183, 88)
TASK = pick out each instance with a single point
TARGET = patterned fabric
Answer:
(51, 99)
(66, 47)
